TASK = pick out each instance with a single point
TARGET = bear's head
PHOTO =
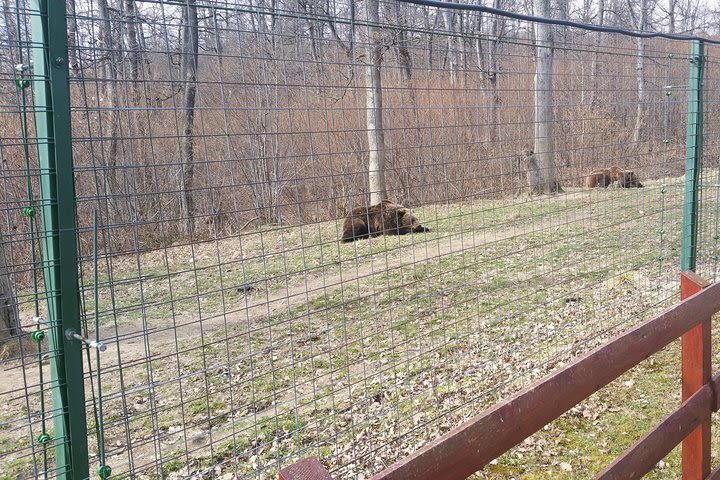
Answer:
(631, 180)
(409, 220)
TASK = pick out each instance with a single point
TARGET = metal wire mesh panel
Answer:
(218, 149)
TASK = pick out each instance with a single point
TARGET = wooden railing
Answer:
(469, 447)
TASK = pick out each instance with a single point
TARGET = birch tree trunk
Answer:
(640, 71)
(188, 70)
(373, 93)
(542, 176)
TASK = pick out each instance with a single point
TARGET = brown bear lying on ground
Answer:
(385, 218)
(604, 177)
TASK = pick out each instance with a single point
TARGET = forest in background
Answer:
(193, 120)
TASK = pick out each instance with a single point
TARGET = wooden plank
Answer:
(644, 454)
(472, 445)
(696, 371)
(306, 469)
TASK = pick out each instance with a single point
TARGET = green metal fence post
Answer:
(693, 159)
(60, 267)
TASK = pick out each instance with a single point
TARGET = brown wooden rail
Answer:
(469, 447)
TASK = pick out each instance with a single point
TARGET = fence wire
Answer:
(221, 145)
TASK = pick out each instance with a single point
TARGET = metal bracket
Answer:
(71, 334)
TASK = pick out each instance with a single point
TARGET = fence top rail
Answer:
(466, 449)
(552, 21)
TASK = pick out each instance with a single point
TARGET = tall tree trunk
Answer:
(401, 43)
(131, 33)
(449, 17)
(373, 93)
(672, 6)
(542, 175)
(110, 101)
(494, 71)
(428, 28)
(73, 54)
(9, 322)
(563, 14)
(640, 71)
(188, 69)
(594, 65)
(479, 54)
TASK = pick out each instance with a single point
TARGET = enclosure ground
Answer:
(233, 357)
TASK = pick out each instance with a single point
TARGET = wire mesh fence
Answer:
(219, 146)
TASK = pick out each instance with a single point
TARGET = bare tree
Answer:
(112, 123)
(188, 72)
(374, 108)
(594, 65)
(429, 27)
(73, 54)
(314, 29)
(401, 42)
(542, 175)
(671, 13)
(498, 25)
(450, 26)
(563, 14)
(640, 19)
(133, 44)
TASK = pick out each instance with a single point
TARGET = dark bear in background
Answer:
(385, 218)
(604, 177)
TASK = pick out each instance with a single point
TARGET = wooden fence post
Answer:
(695, 374)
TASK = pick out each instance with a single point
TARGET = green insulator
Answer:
(104, 471)
(716, 237)
(44, 438)
(29, 212)
(666, 141)
(663, 190)
(668, 93)
(22, 83)
(37, 336)
(715, 258)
